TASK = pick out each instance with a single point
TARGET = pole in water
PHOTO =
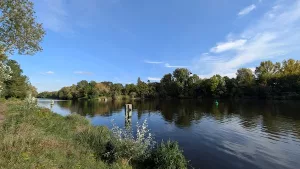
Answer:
(128, 114)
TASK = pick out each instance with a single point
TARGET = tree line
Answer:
(268, 81)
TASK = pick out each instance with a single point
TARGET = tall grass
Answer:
(33, 137)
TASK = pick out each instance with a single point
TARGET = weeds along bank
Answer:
(33, 137)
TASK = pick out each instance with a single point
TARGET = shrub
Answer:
(94, 137)
(124, 145)
(167, 156)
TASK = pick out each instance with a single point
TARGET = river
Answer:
(234, 134)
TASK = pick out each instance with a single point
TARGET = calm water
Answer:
(243, 134)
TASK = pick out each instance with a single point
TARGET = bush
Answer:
(94, 137)
(125, 146)
(167, 156)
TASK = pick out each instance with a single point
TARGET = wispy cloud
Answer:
(275, 34)
(66, 16)
(47, 73)
(83, 73)
(174, 66)
(153, 62)
(230, 45)
(53, 14)
(154, 78)
(247, 10)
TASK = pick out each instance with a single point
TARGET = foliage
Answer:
(128, 146)
(18, 27)
(266, 70)
(168, 155)
(17, 86)
(5, 72)
(218, 85)
(12, 81)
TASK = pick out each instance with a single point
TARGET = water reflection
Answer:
(234, 134)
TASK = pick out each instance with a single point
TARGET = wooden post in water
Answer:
(128, 110)
(128, 114)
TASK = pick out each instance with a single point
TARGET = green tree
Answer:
(17, 86)
(92, 90)
(83, 89)
(217, 85)
(129, 88)
(5, 72)
(116, 90)
(231, 86)
(32, 90)
(290, 67)
(65, 93)
(192, 84)
(142, 88)
(246, 82)
(266, 70)
(18, 28)
(181, 76)
(168, 86)
(245, 77)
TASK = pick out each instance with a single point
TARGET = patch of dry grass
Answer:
(2, 111)
(38, 138)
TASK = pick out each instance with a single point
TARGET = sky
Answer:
(121, 40)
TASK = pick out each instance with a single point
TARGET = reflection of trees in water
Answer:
(93, 108)
(272, 117)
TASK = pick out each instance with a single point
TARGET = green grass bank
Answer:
(34, 137)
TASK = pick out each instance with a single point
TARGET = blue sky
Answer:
(120, 40)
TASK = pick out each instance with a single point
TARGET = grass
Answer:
(33, 137)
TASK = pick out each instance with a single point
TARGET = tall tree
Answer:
(83, 88)
(181, 77)
(266, 70)
(5, 72)
(290, 67)
(18, 28)
(168, 86)
(218, 85)
(245, 77)
(17, 86)
(116, 89)
(142, 88)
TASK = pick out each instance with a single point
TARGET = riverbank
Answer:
(34, 137)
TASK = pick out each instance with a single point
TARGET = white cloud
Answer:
(154, 78)
(267, 38)
(173, 66)
(83, 73)
(247, 10)
(230, 45)
(252, 69)
(153, 62)
(47, 73)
